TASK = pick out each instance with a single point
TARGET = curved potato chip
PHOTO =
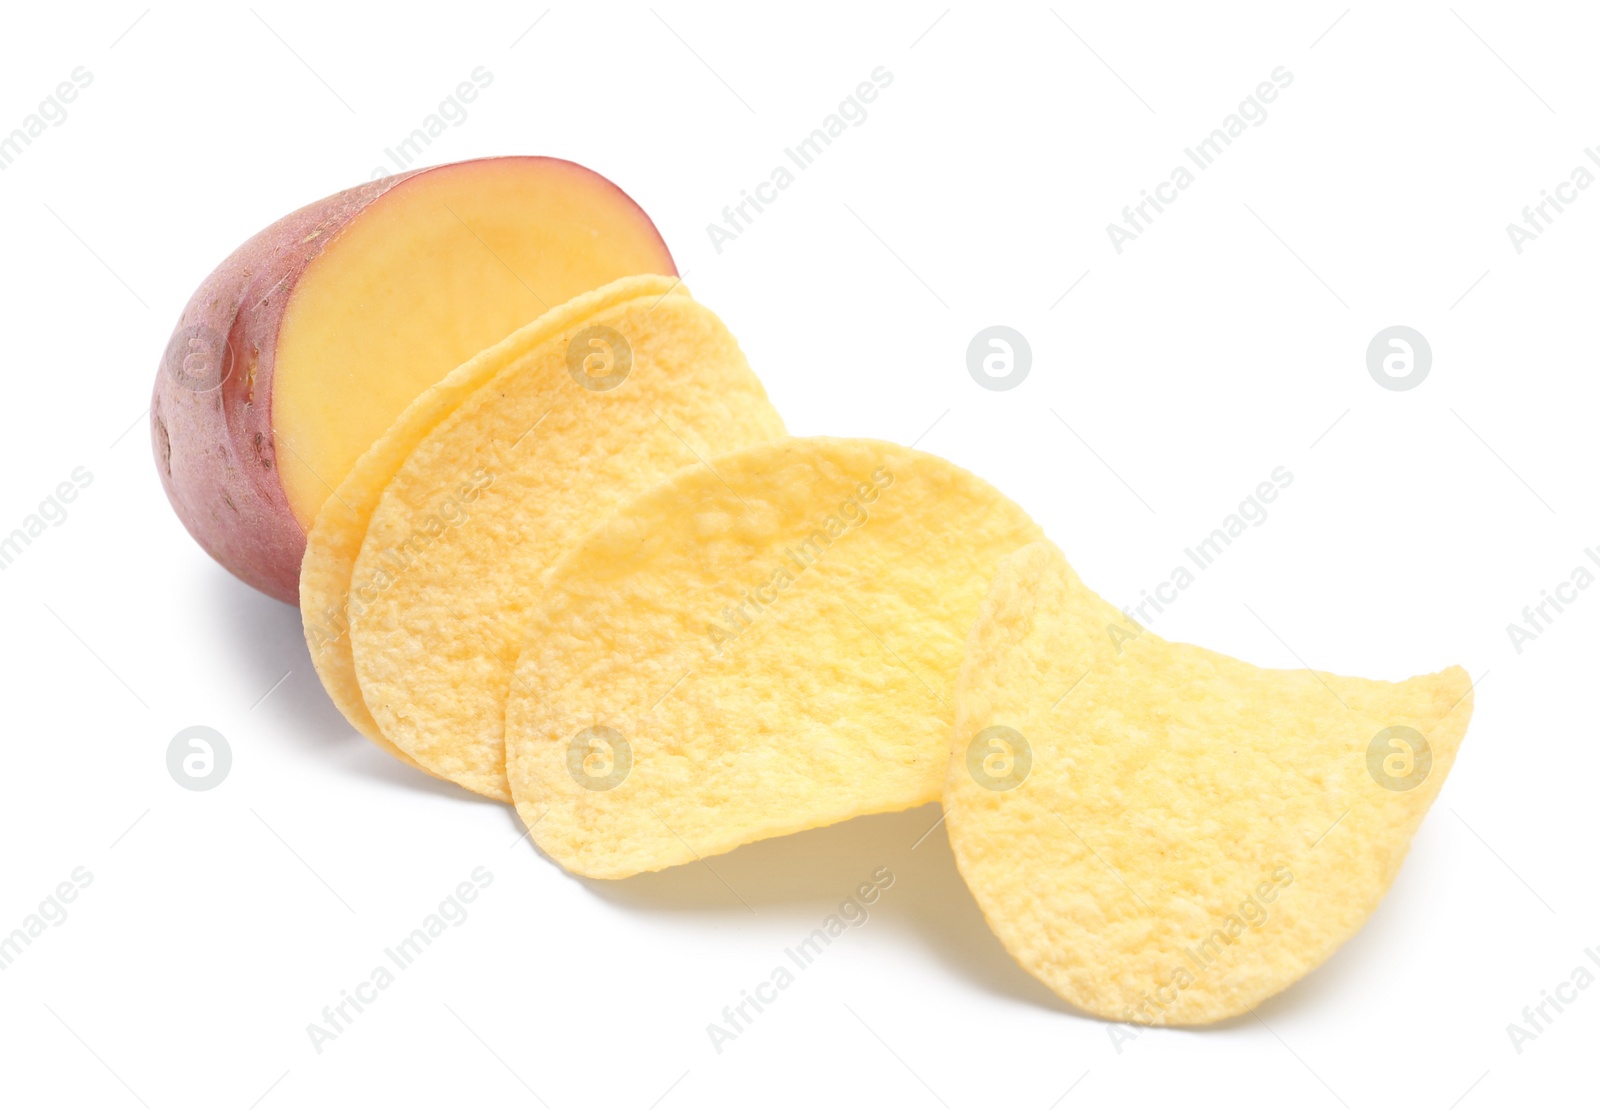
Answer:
(1160, 833)
(583, 418)
(764, 644)
(335, 537)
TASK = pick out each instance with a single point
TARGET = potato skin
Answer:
(211, 412)
(211, 422)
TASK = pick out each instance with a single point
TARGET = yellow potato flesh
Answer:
(440, 267)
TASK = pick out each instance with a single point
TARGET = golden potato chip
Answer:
(763, 644)
(575, 421)
(335, 537)
(1163, 834)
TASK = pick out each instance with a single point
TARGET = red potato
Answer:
(303, 346)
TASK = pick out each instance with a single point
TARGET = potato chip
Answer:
(764, 644)
(1163, 834)
(335, 537)
(574, 421)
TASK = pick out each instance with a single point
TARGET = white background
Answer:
(1228, 339)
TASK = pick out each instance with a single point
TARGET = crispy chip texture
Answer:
(1173, 835)
(335, 537)
(764, 644)
(576, 422)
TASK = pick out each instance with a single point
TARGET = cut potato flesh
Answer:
(441, 266)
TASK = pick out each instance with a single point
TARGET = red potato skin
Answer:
(211, 421)
(211, 412)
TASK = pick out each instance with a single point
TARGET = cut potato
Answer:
(572, 423)
(764, 644)
(304, 345)
(1163, 834)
